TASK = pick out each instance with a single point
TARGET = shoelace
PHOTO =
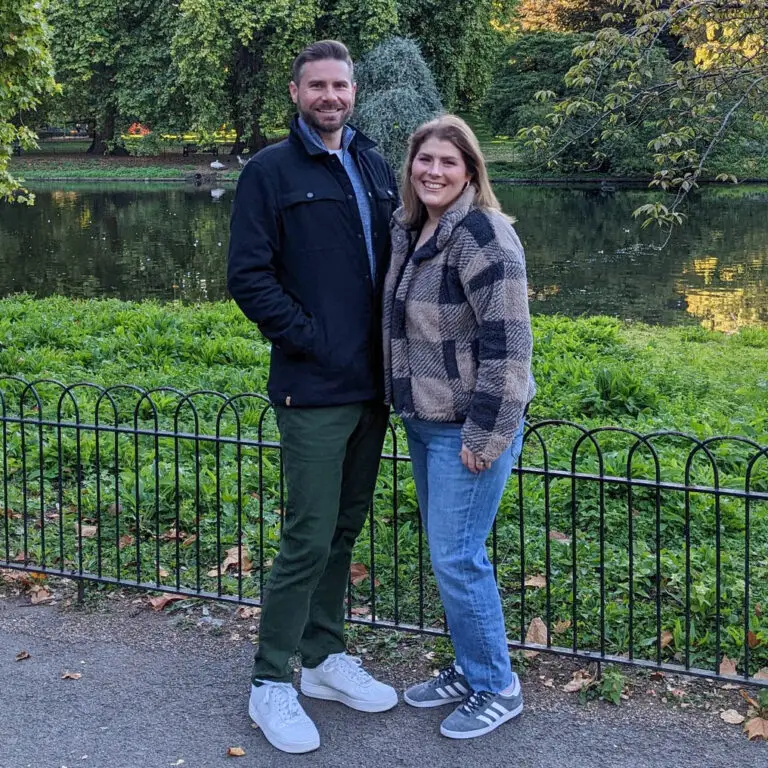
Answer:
(350, 666)
(476, 701)
(285, 697)
(447, 675)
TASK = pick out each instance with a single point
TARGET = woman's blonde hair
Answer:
(454, 129)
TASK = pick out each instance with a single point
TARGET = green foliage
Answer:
(212, 346)
(26, 77)
(396, 94)
(717, 78)
(460, 40)
(529, 64)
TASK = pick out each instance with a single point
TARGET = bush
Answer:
(396, 94)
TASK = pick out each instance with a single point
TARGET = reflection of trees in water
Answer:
(587, 255)
(167, 244)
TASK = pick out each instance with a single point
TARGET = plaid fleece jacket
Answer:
(457, 333)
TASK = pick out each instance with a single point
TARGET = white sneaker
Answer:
(274, 707)
(342, 678)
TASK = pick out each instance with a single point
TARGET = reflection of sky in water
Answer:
(586, 253)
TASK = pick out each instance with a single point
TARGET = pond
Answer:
(585, 252)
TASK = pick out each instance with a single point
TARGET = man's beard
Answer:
(309, 118)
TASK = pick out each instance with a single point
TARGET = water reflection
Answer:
(586, 254)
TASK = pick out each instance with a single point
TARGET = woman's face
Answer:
(438, 174)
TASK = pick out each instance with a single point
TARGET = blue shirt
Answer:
(356, 179)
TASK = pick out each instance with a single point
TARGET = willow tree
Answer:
(26, 77)
(718, 88)
(395, 94)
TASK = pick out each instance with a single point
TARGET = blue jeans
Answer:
(457, 511)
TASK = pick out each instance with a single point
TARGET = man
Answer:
(308, 252)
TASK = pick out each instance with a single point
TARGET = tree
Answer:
(692, 106)
(396, 94)
(562, 15)
(26, 76)
(114, 63)
(460, 40)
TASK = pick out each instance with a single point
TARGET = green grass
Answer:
(42, 168)
(594, 371)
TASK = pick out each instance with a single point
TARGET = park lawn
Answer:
(593, 371)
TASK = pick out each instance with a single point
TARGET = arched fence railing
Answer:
(610, 545)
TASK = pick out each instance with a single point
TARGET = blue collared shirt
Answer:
(355, 177)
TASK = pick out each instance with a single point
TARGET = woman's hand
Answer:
(472, 461)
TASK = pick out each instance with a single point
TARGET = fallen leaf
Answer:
(22, 655)
(20, 558)
(86, 531)
(361, 610)
(247, 612)
(358, 573)
(557, 536)
(757, 728)
(235, 752)
(732, 716)
(549, 683)
(749, 699)
(172, 534)
(762, 674)
(561, 626)
(752, 640)
(581, 679)
(233, 558)
(537, 633)
(758, 610)
(666, 638)
(71, 676)
(125, 541)
(158, 603)
(189, 540)
(113, 509)
(658, 675)
(727, 666)
(163, 573)
(38, 594)
(537, 582)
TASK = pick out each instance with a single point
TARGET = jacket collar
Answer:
(358, 143)
(448, 221)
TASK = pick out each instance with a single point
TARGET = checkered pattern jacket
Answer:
(457, 333)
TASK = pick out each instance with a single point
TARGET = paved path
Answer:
(152, 695)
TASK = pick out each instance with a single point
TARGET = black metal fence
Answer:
(642, 549)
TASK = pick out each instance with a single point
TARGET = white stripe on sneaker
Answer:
(485, 719)
(441, 692)
(451, 690)
(501, 709)
(492, 714)
(461, 689)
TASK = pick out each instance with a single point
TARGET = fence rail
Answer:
(642, 549)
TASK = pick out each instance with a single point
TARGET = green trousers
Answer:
(331, 459)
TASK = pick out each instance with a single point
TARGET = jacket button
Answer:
(310, 194)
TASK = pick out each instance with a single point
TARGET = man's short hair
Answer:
(320, 51)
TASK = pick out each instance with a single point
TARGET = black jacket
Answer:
(298, 267)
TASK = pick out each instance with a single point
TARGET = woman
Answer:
(457, 341)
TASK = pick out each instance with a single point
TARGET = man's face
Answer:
(325, 94)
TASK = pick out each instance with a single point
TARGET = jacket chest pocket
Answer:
(311, 215)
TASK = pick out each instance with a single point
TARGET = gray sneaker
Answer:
(448, 687)
(481, 713)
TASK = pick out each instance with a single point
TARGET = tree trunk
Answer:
(239, 144)
(258, 140)
(102, 135)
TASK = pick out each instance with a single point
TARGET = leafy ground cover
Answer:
(653, 571)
